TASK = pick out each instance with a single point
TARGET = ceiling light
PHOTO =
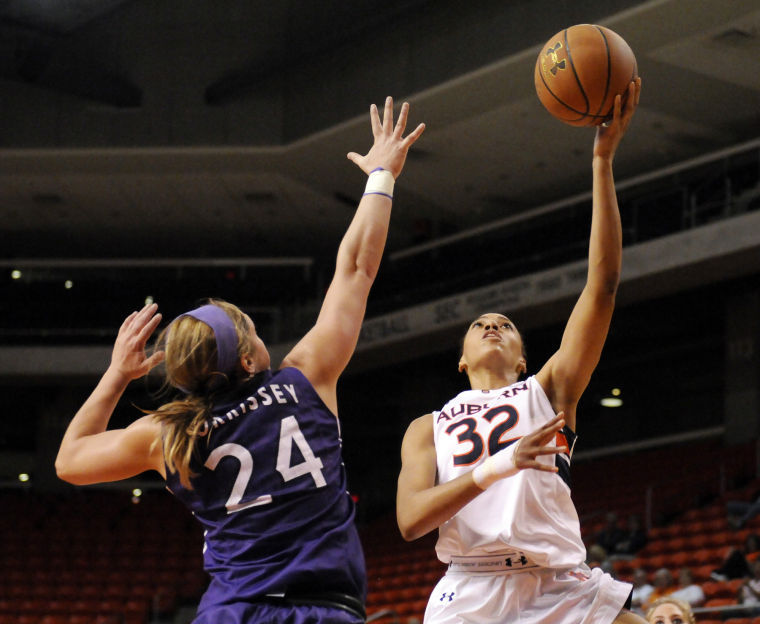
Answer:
(16, 274)
(68, 284)
(611, 402)
(23, 477)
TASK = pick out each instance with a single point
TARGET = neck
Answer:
(489, 380)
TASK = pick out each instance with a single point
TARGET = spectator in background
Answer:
(749, 592)
(633, 539)
(610, 534)
(736, 562)
(664, 585)
(740, 512)
(596, 556)
(752, 547)
(642, 589)
(670, 610)
(688, 590)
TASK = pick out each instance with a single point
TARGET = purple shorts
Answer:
(263, 613)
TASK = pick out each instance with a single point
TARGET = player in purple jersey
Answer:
(255, 454)
(480, 471)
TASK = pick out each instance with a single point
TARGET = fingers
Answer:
(127, 321)
(413, 136)
(401, 122)
(149, 328)
(551, 450)
(388, 115)
(141, 324)
(155, 359)
(374, 118)
(553, 426)
(617, 108)
(137, 317)
(632, 99)
(637, 91)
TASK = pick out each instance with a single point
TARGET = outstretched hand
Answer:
(390, 148)
(536, 443)
(129, 357)
(608, 135)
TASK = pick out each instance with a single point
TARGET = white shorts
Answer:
(530, 596)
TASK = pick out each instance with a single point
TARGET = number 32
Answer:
(469, 435)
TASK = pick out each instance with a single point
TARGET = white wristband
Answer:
(380, 182)
(496, 467)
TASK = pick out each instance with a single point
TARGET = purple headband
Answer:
(224, 332)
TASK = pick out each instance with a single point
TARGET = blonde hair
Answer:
(682, 606)
(191, 366)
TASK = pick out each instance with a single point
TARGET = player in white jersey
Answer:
(490, 470)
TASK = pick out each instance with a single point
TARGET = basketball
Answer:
(580, 70)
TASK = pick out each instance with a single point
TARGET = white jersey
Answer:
(530, 512)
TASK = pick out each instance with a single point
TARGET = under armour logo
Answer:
(523, 561)
(557, 64)
(445, 595)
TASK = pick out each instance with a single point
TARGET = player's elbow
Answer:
(606, 285)
(409, 529)
(65, 471)
(64, 474)
(407, 533)
(610, 283)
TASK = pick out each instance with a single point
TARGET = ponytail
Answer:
(203, 350)
(183, 422)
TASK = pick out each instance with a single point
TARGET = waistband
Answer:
(337, 600)
(503, 563)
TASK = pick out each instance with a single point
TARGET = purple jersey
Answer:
(271, 495)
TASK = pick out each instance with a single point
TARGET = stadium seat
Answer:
(707, 556)
(719, 602)
(718, 589)
(702, 573)
(683, 559)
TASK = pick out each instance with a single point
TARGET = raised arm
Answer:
(422, 506)
(90, 454)
(567, 373)
(325, 350)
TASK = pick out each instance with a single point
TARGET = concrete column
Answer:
(742, 367)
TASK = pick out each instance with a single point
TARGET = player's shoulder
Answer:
(419, 437)
(421, 426)
(148, 424)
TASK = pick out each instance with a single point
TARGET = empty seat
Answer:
(719, 602)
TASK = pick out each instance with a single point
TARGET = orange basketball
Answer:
(580, 70)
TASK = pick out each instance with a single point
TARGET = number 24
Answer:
(290, 433)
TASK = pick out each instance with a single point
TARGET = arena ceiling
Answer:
(138, 135)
